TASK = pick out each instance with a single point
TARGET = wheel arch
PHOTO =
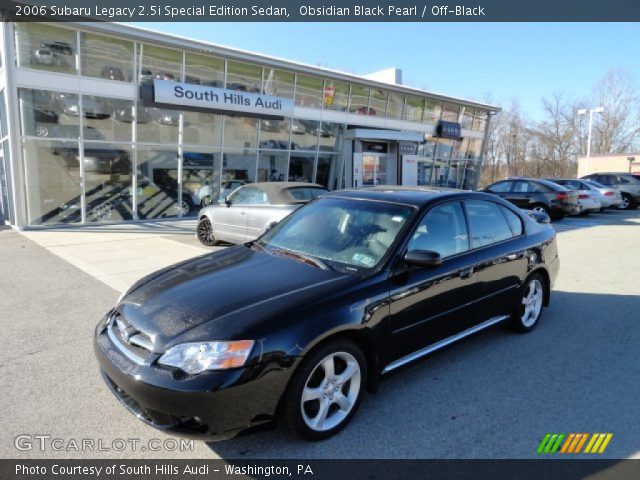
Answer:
(547, 283)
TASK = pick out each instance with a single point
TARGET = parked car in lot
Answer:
(539, 195)
(608, 197)
(588, 198)
(251, 209)
(296, 325)
(628, 185)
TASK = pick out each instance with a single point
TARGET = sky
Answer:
(501, 61)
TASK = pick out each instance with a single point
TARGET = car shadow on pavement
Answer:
(607, 217)
(496, 394)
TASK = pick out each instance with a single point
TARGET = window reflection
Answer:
(278, 83)
(200, 177)
(160, 64)
(241, 132)
(359, 101)
(450, 112)
(244, 77)
(413, 109)
(106, 118)
(203, 70)
(479, 121)
(378, 102)
(49, 114)
(157, 125)
(45, 47)
(309, 91)
(274, 134)
(336, 95)
(432, 112)
(53, 182)
(331, 136)
(157, 184)
(202, 128)
(327, 170)
(305, 134)
(106, 57)
(239, 166)
(107, 178)
(301, 166)
(396, 105)
(272, 166)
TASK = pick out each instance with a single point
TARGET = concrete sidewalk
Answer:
(118, 255)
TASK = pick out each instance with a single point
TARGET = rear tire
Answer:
(627, 202)
(528, 311)
(541, 207)
(325, 391)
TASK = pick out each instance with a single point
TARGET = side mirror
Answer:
(227, 202)
(270, 226)
(206, 200)
(423, 259)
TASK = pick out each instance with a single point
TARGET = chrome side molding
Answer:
(443, 343)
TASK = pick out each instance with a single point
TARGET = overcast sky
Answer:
(526, 61)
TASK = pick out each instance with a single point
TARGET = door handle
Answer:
(466, 273)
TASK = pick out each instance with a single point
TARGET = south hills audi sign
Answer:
(200, 97)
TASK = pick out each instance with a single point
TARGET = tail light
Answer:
(609, 194)
(561, 196)
(582, 196)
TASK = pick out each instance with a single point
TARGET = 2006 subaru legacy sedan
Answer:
(297, 324)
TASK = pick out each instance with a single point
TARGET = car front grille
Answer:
(133, 343)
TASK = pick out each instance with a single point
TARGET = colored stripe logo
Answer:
(574, 442)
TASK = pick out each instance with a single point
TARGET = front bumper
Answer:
(211, 406)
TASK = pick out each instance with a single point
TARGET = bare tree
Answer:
(617, 128)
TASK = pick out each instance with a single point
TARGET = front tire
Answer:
(204, 232)
(529, 309)
(326, 390)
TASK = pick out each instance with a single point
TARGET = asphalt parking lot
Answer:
(494, 395)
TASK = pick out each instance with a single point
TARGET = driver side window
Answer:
(443, 229)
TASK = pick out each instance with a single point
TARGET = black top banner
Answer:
(324, 10)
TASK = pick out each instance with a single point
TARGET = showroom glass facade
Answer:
(97, 158)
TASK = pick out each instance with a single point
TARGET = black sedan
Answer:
(297, 324)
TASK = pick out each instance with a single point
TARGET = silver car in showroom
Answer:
(252, 209)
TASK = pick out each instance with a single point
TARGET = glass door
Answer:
(374, 169)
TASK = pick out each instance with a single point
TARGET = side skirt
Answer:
(443, 343)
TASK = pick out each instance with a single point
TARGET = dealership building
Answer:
(104, 122)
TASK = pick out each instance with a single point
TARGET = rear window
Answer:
(305, 193)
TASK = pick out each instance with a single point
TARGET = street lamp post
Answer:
(583, 111)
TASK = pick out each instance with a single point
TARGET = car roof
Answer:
(413, 196)
(276, 191)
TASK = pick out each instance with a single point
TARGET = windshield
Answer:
(348, 235)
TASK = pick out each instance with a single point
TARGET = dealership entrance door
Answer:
(374, 169)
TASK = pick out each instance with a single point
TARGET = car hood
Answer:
(226, 293)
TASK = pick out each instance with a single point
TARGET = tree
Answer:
(617, 128)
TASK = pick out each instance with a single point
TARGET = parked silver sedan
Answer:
(251, 209)
(588, 198)
(608, 196)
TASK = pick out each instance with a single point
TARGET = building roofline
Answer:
(630, 154)
(142, 34)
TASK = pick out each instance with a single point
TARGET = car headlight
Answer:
(197, 357)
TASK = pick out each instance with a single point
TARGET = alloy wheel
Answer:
(331, 391)
(205, 232)
(531, 303)
(625, 203)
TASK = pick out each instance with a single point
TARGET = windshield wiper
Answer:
(301, 256)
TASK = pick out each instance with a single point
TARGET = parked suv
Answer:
(625, 182)
(538, 195)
